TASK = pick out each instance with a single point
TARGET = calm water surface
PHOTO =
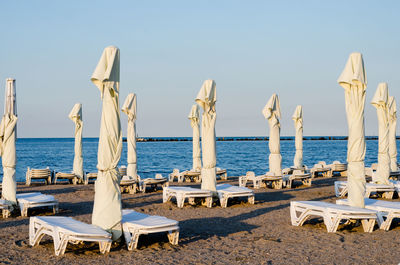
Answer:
(161, 157)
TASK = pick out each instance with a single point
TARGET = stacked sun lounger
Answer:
(387, 191)
(38, 174)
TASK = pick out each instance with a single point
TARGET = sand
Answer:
(239, 234)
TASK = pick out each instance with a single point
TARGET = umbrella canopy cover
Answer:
(107, 211)
(392, 133)
(76, 116)
(380, 102)
(354, 81)
(272, 112)
(129, 108)
(206, 99)
(298, 125)
(8, 137)
(194, 117)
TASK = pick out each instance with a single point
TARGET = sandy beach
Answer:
(239, 234)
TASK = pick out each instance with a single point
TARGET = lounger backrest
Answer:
(175, 171)
(250, 174)
(336, 162)
(322, 163)
(122, 171)
(297, 172)
(286, 171)
(39, 173)
(158, 176)
(270, 174)
(318, 166)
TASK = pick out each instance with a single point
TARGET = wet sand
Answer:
(239, 234)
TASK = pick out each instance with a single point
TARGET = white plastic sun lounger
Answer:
(153, 182)
(90, 176)
(250, 176)
(35, 174)
(226, 191)
(34, 200)
(297, 175)
(338, 167)
(222, 173)
(135, 224)
(370, 188)
(386, 211)
(5, 208)
(128, 185)
(175, 174)
(331, 213)
(66, 230)
(181, 193)
(71, 177)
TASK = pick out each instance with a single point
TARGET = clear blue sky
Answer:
(252, 49)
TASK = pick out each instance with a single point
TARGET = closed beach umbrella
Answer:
(354, 81)
(8, 138)
(380, 102)
(298, 125)
(392, 133)
(129, 108)
(76, 116)
(194, 118)
(272, 112)
(206, 99)
(107, 211)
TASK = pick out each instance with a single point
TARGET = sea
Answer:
(236, 155)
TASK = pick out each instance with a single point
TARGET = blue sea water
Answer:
(161, 157)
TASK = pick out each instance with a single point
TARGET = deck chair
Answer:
(386, 211)
(331, 213)
(227, 191)
(135, 224)
(338, 167)
(37, 174)
(175, 174)
(128, 185)
(183, 193)
(71, 177)
(35, 200)
(66, 230)
(297, 175)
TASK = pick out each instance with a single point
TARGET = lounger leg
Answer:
(180, 200)
(144, 187)
(173, 237)
(55, 209)
(209, 202)
(191, 201)
(251, 199)
(332, 223)
(6, 213)
(368, 225)
(388, 195)
(24, 211)
(104, 247)
(223, 201)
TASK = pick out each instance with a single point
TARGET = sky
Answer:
(251, 49)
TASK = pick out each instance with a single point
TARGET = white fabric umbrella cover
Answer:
(298, 124)
(107, 211)
(8, 137)
(129, 108)
(272, 112)
(380, 102)
(354, 81)
(392, 133)
(206, 99)
(76, 116)
(194, 117)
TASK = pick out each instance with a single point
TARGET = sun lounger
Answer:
(338, 167)
(175, 174)
(222, 173)
(66, 230)
(321, 169)
(227, 191)
(135, 224)
(332, 214)
(276, 182)
(37, 174)
(370, 188)
(386, 211)
(5, 208)
(182, 193)
(35, 200)
(297, 175)
(128, 185)
(190, 176)
(90, 176)
(153, 182)
(251, 177)
(71, 177)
